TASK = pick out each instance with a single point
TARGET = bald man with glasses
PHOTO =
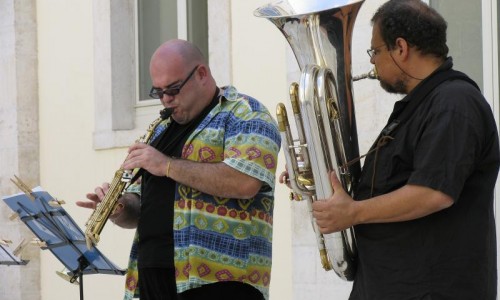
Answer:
(204, 206)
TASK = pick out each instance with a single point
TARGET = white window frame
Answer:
(491, 78)
(490, 54)
(115, 80)
(119, 118)
(146, 110)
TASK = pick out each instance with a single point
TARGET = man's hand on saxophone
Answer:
(126, 212)
(95, 198)
(146, 157)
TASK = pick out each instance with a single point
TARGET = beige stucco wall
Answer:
(69, 166)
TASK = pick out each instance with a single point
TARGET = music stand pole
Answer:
(81, 286)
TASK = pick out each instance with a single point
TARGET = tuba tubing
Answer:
(296, 185)
(319, 107)
(319, 33)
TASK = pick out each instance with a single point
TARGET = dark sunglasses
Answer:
(157, 93)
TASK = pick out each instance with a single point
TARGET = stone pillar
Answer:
(19, 137)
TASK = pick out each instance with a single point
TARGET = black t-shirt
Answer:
(156, 243)
(449, 144)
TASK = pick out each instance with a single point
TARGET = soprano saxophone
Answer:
(118, 185)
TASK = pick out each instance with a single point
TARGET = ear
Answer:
(202, 71)
(402, 48)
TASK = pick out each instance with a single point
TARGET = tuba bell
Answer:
(320, 33)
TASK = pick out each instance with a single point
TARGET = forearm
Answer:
(407, 203)
(217, 179)
(126, 215)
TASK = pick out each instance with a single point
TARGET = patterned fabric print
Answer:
(244, 136)
(219, 239)
(222, 239)
(159, 129)
(132, 276)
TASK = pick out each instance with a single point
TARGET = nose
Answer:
(166, 99)
(372, 60)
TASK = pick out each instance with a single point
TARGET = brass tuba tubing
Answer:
(319, 33)
(299, 187)
(320, 115)
(294, 100)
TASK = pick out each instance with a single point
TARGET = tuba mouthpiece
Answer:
(370, 75)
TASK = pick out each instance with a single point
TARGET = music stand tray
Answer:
(58, 232)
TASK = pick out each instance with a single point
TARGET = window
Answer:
(465, 38)
(158, 21)
(126, 32)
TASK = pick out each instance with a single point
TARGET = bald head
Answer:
(180, 66)
(179, 52)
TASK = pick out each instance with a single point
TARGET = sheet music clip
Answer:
(64, 275)
(56, 202)
(8, 257)
(23, 187)
(19, 249)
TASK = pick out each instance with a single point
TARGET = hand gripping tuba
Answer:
(319, 33)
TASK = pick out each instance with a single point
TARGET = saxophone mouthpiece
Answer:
(166, 113)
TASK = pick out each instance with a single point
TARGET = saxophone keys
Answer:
(127, 176)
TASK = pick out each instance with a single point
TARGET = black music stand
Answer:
(58, 232)
(7, 257)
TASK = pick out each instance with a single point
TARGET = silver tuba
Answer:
(319, 33)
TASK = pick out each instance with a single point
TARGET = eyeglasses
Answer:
(373, 51)
(157, 93)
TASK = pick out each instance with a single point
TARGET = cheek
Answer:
(187, 104)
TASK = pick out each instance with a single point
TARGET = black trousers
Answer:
(159, 284)
(225, 290)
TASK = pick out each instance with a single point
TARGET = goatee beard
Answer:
(397, 88)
